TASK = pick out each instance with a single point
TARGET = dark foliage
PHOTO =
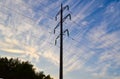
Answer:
(15, 69)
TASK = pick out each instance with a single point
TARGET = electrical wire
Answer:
(50, 18)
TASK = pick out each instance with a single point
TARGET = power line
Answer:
(84, 45)
(33, 19)
(27, 16)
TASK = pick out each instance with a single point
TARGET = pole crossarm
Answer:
(65, 31)
(67, 16)
(63, 8)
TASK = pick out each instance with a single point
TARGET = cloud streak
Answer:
(25, 27)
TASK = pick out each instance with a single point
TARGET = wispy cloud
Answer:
(108, 42)
(25, 27)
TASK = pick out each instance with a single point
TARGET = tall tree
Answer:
(16, 69)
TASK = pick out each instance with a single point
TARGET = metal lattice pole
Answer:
(61, 36)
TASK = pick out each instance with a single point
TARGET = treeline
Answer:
(16, 69)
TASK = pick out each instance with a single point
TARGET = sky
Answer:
(92, 51)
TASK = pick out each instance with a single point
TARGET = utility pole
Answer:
(61, 35)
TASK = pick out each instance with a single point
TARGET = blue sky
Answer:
(92, 51)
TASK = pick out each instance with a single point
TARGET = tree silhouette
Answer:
(15, 69)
